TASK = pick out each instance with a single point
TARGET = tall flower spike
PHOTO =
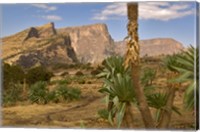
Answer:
(133, 49)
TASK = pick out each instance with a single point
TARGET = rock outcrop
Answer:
(91, 43)
(38, 46)
(46, 30)
(59, 52)
(44, 45)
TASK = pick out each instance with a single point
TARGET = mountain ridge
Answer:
(46, 45)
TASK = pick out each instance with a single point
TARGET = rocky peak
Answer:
(90, 42)
(85, 44)
(33, 32)
(46, 30)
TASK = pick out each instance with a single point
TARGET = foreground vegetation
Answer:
(116, 89)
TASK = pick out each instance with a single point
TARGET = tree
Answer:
(38, 74)
(12, 74)
(132, 59)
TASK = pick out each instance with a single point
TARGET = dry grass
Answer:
(83, 113)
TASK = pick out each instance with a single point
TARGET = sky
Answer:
(156, 19)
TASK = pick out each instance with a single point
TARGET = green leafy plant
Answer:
(188, 67)
(74, 94)
(64, 81)
(52, 96)
(12, 74)
(148, 76)
(112, 66)
(103, 113)
(65, 93)
(12, 94)
(38, 92)
(158, 101)
(118, 88)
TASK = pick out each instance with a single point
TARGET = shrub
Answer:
(65, 81)
(52, 97)
(95, 72)
(79, 73)
(148, 76)
(38, 74)
(103, 113)
(13, 94)
(74, 94)
(12, 74)
(64, 93)
(38, 92)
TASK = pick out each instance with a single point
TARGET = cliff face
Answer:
(153, 47)
(44, 45)
(38, 46)
(91, 43)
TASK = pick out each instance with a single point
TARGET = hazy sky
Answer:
(156, 19)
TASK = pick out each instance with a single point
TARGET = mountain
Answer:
(153, 47)
(38, 46)
(91, 43)
(45, 45)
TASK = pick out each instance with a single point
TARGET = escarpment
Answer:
(46, 45)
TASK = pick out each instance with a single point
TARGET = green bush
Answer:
(52, 97)
(64, 93)
(12, 74)
(38, 74)
(12, 94)
(148, 76)
(38, 93)
(103, 113)
(74, 94)
(64, 81)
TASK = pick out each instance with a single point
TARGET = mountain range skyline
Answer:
(165, 19)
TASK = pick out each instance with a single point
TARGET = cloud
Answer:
(162, 11)
(113, 10)
(45, 7)
(50, 17)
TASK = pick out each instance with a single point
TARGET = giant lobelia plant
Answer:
(119, 90)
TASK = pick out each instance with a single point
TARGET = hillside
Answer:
(45, 45)
(153, 47)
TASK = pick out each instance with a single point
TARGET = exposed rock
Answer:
(85, 44)
(91, 43)
(46, 30)
(60, 51)
(33, 32)
(38, 46)
(153, 47)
